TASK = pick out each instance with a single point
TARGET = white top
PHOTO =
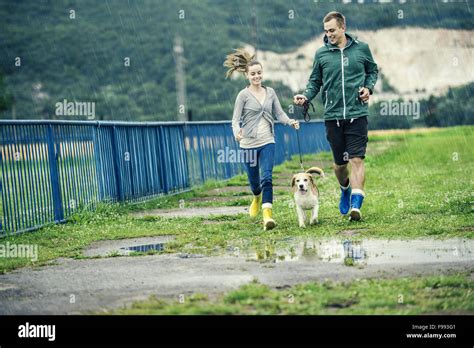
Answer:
(264, 136)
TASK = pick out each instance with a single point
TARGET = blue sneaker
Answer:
(356, 203)
(345, 202)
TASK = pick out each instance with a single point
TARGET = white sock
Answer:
(266, 205)
(358, 192)
(345, 188)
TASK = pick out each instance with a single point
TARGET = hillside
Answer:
(76, 50)
(417, 62)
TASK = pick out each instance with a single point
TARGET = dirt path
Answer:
(192, 212)
(78, 286)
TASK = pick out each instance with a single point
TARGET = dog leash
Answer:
(307, 118)
(299, 149)
(306, 105)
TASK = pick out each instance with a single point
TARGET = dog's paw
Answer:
(302, 226)
(314, 222)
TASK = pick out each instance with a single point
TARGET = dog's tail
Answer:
(316, 170)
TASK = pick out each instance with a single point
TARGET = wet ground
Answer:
(116, 273)
(365, 252)
(193, 212)
(77, 286)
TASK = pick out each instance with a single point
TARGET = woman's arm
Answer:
(277, 110)
(238, 107)
(281, 115)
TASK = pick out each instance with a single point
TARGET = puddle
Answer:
(362, 252)
(145, 248)
(342, 251)
(126, 246)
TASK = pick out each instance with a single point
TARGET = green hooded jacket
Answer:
(341, 73)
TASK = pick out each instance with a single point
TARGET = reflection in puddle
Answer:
(353, 252)
(145, 248)
(362, 252)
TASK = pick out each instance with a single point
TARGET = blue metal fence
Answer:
(49, 169)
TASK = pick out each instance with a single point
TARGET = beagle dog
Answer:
(306, 195)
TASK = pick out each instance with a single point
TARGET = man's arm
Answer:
(315, 80)
(314, 84)
(371, 70)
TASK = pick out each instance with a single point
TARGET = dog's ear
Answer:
(293, 182)
(313, 184)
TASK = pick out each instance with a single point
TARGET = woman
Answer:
(254, 108)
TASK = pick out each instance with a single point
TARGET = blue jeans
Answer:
(262, 160)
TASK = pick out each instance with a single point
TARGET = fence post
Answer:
(162, 160)
(201, 155)
(98, 161)
(116, 163)
(146, 160)
(186, 162)
(54, 174)
(129, 163)
(228, 168)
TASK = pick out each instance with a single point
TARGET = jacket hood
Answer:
(350, 38)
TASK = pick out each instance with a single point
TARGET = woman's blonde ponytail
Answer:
(239, 61)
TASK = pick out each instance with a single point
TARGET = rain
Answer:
(122, 166)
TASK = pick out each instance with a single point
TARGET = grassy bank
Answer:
(415, 295)
(418, 185)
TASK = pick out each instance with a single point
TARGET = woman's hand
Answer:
(294, 123)
(239, 136)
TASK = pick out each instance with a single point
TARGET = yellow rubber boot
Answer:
(255, 206)
(268, 222)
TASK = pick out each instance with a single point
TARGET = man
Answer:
(347, 73)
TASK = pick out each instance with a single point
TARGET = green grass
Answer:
(414, 189)
(414, 295)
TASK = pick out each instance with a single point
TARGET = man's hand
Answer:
(239, 136)
(294, 123)
(364, 94)
(299, 99)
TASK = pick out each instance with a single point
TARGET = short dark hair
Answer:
(339, 17)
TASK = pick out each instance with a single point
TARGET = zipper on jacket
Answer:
(343, 93)
(326, 102)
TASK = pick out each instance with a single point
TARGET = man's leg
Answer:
(342, 174)
(336, 139)
(356, 140)
(357, 173)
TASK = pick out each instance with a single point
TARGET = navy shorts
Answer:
(348, 139)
